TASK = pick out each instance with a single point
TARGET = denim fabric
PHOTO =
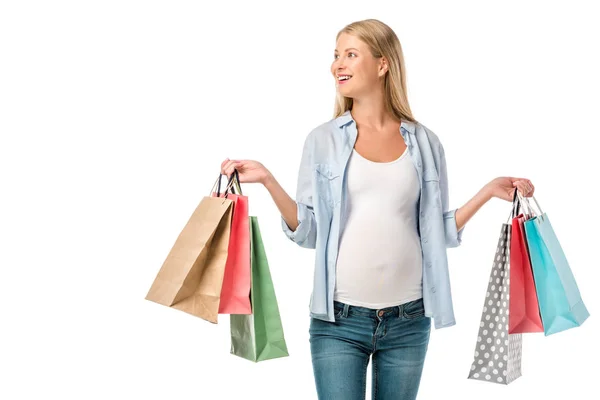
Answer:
(321, 198)
(394, 338)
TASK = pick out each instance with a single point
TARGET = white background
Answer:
(116, 115)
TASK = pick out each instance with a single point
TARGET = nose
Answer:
(339, 69)
(340, 64)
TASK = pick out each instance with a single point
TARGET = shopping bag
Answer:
(259, 336)
(235, 292)
(523, 306)
(497, 355)
(560, 301)
(191, 276)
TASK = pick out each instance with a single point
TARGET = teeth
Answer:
(343, 77)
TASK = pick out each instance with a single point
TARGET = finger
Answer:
(223, 164)
(228, 168)
(231, 166)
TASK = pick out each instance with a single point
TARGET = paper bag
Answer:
(259, 336)
(191, 277)
(235, 293)
(561, 305)
(524, 308)
(497, 356)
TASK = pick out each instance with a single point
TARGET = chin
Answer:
(345, 92)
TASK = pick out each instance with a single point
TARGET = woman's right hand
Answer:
(249, 171)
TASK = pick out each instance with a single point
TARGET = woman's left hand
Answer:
(503, 187)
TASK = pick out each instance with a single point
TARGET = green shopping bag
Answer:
(259, 336)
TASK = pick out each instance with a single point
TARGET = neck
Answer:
(371, 112)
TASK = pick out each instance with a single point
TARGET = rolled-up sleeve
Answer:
(453, 236)
(305, 234)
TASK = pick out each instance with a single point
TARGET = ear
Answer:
(383, 66)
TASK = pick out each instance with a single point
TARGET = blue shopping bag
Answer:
(561, 305)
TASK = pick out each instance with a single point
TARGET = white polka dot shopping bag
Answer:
(497, 353)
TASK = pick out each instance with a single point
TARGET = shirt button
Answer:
(419, 163)
(433, 289)
(424, 240)
(428, 265)
(422, 213)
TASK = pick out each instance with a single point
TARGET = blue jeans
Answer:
(396, 337)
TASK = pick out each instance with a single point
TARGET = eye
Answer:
(351, 53)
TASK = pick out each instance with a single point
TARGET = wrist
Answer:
(267, 180)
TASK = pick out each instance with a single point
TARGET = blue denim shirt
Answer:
(321, 193)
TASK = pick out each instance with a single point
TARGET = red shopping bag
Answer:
(524, 311)
(235, 292)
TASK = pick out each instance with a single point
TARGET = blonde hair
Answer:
(382, 42)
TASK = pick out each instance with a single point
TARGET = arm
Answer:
(466, 212)
(286, 205)
(501, 187)
(298, 217)
(454, 220)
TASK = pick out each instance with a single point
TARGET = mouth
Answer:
(341, 79)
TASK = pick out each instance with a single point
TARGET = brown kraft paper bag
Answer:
(191, 277)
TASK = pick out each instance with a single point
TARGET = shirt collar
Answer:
(346, 118)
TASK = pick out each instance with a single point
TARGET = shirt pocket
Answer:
(431, 183)
(328, 183)
(431, 175)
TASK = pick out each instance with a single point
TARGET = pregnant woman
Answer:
(372, 200)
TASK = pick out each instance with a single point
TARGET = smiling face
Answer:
(355, 70)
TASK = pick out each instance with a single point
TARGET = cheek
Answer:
(363, 73)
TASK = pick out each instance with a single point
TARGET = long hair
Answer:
(382, 42)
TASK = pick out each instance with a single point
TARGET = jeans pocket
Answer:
(414, 309)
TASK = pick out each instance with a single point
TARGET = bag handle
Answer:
(515, 207)
(232, 183)
(524, 200)
(218, 185)
(237, 182)
(235, 178)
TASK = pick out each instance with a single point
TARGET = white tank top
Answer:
(379, 258)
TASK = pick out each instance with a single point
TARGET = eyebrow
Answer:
(350, 48)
